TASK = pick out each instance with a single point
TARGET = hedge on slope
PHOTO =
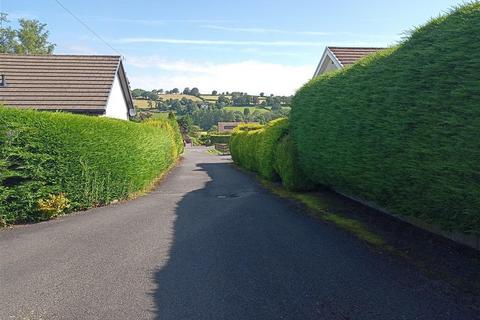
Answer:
(268, 151)
(287, 168)
(253, 146)
(271, 134)
(90, 160)
(243, 145)
(400, 128)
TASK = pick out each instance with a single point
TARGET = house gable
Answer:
(335, 58)
(78, 84)
(327, 63)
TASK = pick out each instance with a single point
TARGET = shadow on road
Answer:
(240, 253)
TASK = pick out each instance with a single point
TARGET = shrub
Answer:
(400, 128)
(286, 166)
(171, 128)
(271, 135)
(219, 138)
(243, 145)
(53, 206)
(269, 151)
(89, 160)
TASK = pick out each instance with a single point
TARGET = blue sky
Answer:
(251, 46)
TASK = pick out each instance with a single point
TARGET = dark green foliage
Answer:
(92, 160)
(400, 128)
(287, 168)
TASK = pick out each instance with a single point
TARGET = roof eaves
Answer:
(334, 58)
(126, 88)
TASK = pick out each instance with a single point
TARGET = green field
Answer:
(252, 109)
(210, 98)
(178, 97)
(142, 104)
(160, 115)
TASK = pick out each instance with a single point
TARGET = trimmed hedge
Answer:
(269, 151)
(219, 138)
(211, 139)
(243, 145)
(286, 166)
(90, 161)
(270, 136)
(400, 128)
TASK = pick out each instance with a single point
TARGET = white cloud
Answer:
(266, 30)
(148, 21)
(130, 20)
(247, 76)
(222, 42)
(300, 33)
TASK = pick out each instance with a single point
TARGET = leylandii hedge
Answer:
(62, 162)
(400, 129)
(286, 165)
(269, 151)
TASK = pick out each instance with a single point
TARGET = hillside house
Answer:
(335, 58)
(92, 85)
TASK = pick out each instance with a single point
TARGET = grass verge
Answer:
(321, 208)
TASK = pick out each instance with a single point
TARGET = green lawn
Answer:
(143, 104)
(160, 115)
(178, 97)
(252, 109)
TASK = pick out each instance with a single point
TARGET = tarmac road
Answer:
(208, 243)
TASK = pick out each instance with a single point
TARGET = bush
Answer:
(243, 145)
(52, 163)
(53, 206)
(400, 128)
(269, 151)
(286, 166)
(219, 138)
(270, 137)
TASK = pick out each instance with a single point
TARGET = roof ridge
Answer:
(60, 55)
(336, 47)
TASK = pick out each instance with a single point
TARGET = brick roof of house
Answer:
(350, 55)
(60, 82)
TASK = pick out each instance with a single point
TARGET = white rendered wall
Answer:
(116, 105)
(327, 66)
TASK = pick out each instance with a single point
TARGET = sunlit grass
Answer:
(321, 209)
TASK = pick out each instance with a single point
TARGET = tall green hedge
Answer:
(401, 128)
(271, 135)
(91, 160)
(286, 165)
(269, 151)
(243, 145)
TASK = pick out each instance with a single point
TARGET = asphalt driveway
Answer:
(208, 243)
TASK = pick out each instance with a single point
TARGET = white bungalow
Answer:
(94, 85)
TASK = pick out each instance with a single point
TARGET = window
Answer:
(3, 81)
